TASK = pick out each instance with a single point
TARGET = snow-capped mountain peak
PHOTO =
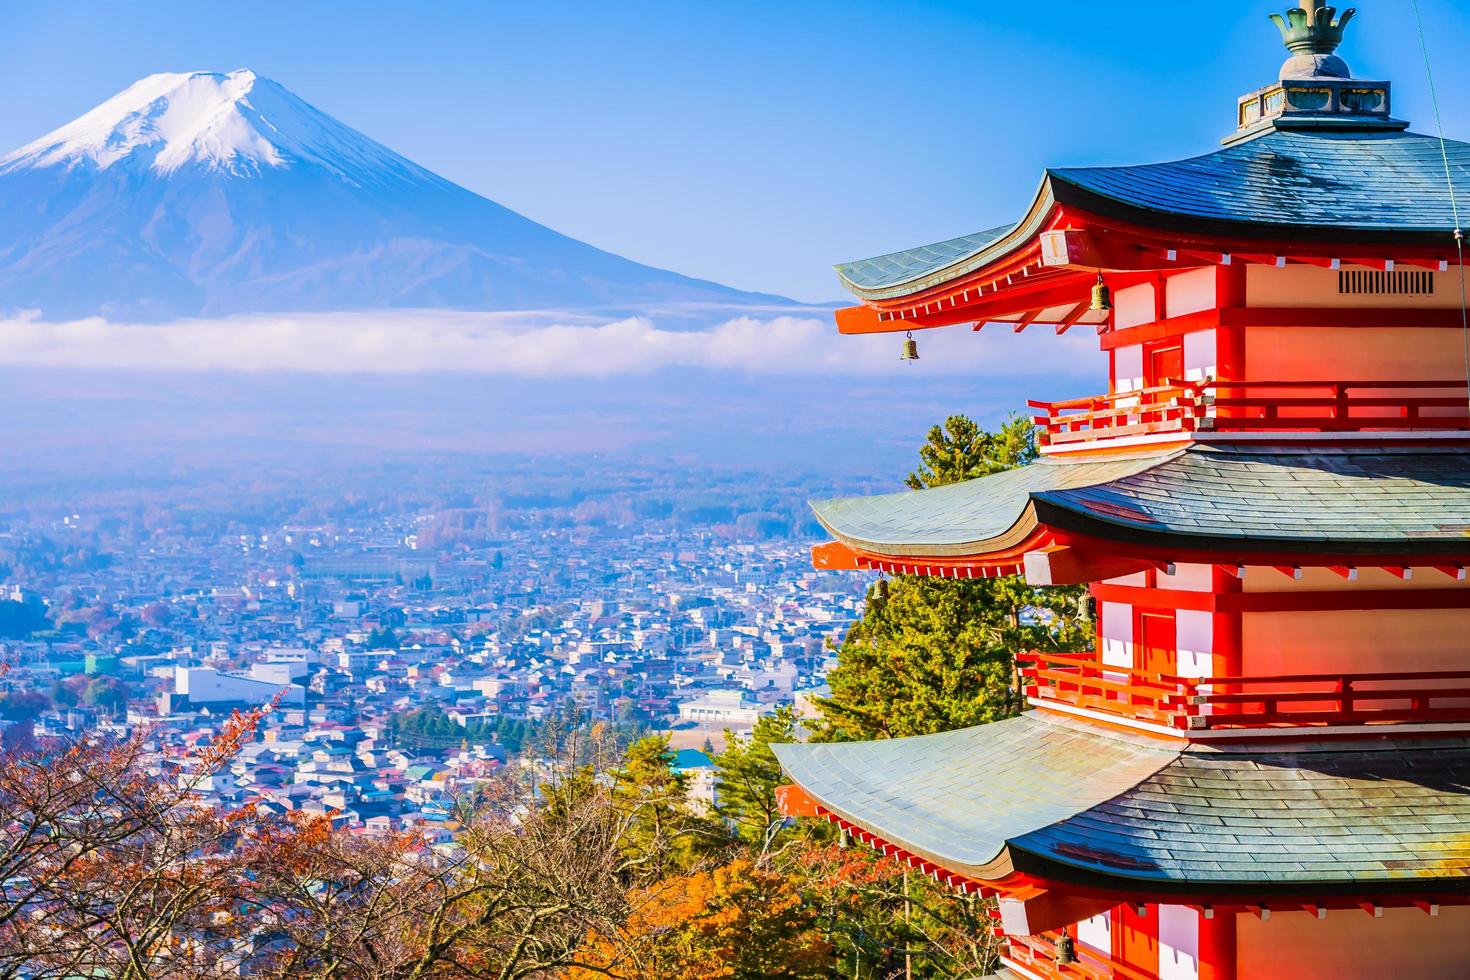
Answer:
(238, 123)
(205, 194)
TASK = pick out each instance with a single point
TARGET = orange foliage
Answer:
(237, 730)
(737, 922)
(835, 870)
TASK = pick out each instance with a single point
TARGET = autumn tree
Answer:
(107, 693)
(547, 854)
(740, 921)
(932, 655)
(19, 620)
(111, 868)
(886, 921)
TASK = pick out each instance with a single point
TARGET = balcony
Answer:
(1185, 408)
(1186, 704)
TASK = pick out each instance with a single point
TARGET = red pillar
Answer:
(1217, 947)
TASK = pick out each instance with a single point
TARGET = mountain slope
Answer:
(208, 194)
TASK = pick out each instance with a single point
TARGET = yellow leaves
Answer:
(737, 922)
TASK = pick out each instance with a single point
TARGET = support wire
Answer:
(1449, 180)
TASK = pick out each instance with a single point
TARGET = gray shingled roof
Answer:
(1357, 181)
(1048, 794)
(956, 798)
(1342, 501)
(961, 518)
(1336, 816)
(884, 270)
(1379, 814)
(1284, 183)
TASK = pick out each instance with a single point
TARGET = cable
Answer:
(1449, 180)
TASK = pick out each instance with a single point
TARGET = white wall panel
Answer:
(1190, 292)
(1178, 943)
(1128, 368)
(1200, 359)
(1117, 634)
(1097, 932)
(1133, 306)
(1196, 633)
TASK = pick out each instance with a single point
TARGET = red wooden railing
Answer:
(1284, 700)
(1258, 406)
(1082, 680)
(1038, 954)
(1174, 407)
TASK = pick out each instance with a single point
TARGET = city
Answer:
(485, 618)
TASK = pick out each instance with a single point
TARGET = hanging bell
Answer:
(910, 348)
(1066, 950)
(1102, 299)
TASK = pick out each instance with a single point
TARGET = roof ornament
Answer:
(1315, 90)
(1312, 34)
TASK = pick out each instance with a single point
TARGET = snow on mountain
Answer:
(207, 194)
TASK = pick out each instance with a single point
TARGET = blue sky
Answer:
(754, 143)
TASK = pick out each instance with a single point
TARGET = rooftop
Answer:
(1239, 500)
(1315, 156)
(1062, 798)
(1283, 184)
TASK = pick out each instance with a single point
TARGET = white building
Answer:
(205, 685)
(728, 707)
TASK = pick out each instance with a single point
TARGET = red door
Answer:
(1165, 364)
(1157, 649)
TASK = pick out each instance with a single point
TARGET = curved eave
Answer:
(1003, 545)
(1021, 236)
(957, 798)
(1324, 820)
(1119, 878)
(1059, 800)
(989, 516)
(1218, 503)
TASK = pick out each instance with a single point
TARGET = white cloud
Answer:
(528, 345)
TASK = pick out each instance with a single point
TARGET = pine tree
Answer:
(749, 775)
(932, 655)
(664, 835)
(960, 450)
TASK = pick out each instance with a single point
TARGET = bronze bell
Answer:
(910, 348)
(1066, 950)
(1102, 299)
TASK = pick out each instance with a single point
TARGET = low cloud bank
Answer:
(526, 345)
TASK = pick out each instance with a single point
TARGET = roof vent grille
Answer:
(1371, 282)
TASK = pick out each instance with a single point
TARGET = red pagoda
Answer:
(1263, 769)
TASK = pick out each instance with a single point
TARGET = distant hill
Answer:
(207, 194)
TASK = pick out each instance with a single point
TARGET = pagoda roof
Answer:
(1351, 501)
(958, 797)
(1361, 186)
(1058, 798)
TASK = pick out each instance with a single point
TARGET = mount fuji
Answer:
(206, 194)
